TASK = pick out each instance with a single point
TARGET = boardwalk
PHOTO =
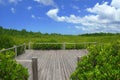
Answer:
(52, 64)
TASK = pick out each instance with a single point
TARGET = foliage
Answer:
(6, 41)
(70, 46)
(38, 46)
(56, 46)
(10, 69)
(17, 37)
(102, 63)
(81, 46)
(99, 34)
(46, 46)
(24, 36)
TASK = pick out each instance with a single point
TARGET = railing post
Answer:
(15, 50)
(35, 68)
(64, 46)
(78, 58)
(29, 47)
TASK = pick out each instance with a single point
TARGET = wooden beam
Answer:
(78, 58)
(35, 68)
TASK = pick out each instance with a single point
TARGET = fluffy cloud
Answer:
(46, 2)
(70, 19)
(106, 12)
(115, 3)
(53, 14)
(12, 10)
(105, 18)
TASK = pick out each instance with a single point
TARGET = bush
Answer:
(80, 46)
(70, 46)
(102, 63)
(10, 69)
(6, 41)
(43, 46)
(46, 46)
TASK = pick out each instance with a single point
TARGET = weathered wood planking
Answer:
(52, 64)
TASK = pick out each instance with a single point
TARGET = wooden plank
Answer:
(52, 64)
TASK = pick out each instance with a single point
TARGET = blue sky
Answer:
(61, 16)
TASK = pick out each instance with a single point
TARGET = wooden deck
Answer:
(52, 64)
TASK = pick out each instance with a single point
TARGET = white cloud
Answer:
(29, 7)
(115, 3)
(70, 19)
(98, 9)
(105, 18)
(13, 1)
(33, 16)
(12, 10)
(106, 12)
(4, 2)
(46, 2)
(36, 17)
(53, 14)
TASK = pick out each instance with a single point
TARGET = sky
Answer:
(61, 16)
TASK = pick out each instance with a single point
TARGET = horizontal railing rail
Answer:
(64, 43)
(14, 48)
(7, 49)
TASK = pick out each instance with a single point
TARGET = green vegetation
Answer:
(46, 46)
(20, 37)
(10, 69)
(102, 63)
(6, 41)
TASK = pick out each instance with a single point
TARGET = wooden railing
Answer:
(34, 60)
(34, 65)
(14, 48)
(30, 43)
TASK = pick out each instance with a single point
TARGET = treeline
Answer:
(23, 32)
(100, 34)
